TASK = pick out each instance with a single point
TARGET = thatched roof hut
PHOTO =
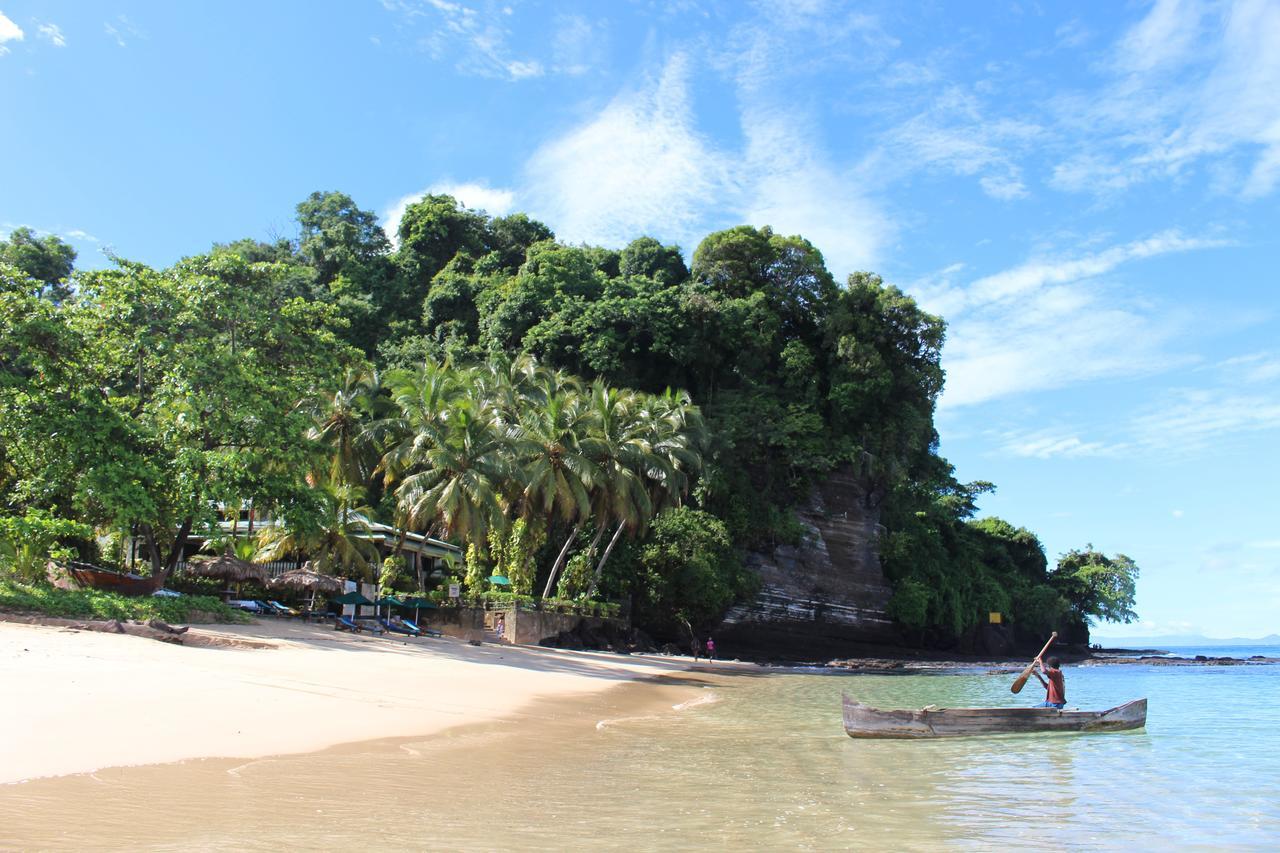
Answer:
(309, 581)
(228, 567)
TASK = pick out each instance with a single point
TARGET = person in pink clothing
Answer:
(711, 649)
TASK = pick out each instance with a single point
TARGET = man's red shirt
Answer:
(1057, 687)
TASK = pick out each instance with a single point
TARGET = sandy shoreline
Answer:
(79, 701)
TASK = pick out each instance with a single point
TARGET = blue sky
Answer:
(1087, 192)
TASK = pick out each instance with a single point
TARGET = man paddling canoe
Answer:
(1055, 686)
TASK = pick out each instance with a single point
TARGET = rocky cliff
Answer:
(818, 598)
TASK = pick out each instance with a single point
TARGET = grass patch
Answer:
(97, 604)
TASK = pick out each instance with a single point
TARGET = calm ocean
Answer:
(746, 762)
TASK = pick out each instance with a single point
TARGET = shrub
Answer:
(97, 604)
(28, 542)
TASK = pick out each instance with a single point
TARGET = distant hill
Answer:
(1183, 640)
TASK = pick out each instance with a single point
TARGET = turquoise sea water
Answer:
(744, 762)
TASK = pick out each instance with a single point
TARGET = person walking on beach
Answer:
(695, 648)
(711, 648)
(1055, 686)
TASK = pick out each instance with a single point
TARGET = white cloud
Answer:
(1051, 322)
(53, 34)
(122, 30)
(954, 133)
(9, 31)
(791, 187)
(494, 201)
(475, 36)
(1194, 82)
(1177, 513)
(1046, 445)
(637, 167)
(1189, 420)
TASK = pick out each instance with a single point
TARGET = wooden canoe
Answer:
(863, 721)
(105, 579)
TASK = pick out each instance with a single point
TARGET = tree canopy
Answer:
(589, 421)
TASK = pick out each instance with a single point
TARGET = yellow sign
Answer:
(994, 617)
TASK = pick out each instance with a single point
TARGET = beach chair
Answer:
(345, 623)
(283, 610)
(421, 631)
(400, 629)
(370, 626)
(265, 609)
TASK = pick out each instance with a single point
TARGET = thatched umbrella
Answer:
(230, 568)
(306, 580)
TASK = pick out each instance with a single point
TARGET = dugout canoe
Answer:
(863, 721)
(105, 579)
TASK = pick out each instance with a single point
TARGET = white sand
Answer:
(77, 701)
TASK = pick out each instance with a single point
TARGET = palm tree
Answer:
(342, 426)
(674, 436)
(455, 473)
(338, 544)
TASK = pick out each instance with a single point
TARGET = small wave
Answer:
(705, 699)
(617, 721)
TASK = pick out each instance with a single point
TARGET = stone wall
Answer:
(817, 599)
(525, 627)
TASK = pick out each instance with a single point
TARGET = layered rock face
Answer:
(817, 599)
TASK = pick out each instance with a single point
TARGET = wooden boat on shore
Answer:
(98, 578)
(863, 721)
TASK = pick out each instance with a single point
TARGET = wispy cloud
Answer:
(1193, 82)
(1049, 444)
(122, 30)
(52, 34)
(9, 31)
(1051, 322)
(477, 37)
(495, 202)
(639, 166)
(1191, 419)
(955, 133)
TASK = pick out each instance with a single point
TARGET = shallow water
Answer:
(752, 762)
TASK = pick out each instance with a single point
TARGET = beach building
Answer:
(425, 556)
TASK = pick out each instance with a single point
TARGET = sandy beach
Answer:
(78, 701)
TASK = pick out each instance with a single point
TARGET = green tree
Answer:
(1096, 587)
(199, 385)
(49, 260)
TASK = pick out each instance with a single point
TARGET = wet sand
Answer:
(80, 701)
(428, 792)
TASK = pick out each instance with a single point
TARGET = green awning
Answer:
(352, 598)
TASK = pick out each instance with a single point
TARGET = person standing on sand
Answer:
(711, 648)
(696, 648)
(1055, 687)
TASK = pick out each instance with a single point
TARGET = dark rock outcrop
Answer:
(817, 598)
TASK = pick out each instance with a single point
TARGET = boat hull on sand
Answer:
(105, 579)
(863, 721)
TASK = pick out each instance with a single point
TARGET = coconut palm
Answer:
(342, 427)
(674, 434)
(457, 474)
(337, 543)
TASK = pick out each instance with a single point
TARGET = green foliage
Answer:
(394, 575)
(1096, 587)
(48, 260)
(28, 542)
(692, 571)
(139, 399)
(96, 604)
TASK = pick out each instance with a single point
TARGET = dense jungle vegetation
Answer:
(589, 422)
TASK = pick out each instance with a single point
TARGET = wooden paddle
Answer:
(1021, 680)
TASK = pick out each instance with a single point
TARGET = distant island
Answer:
(1185, 640)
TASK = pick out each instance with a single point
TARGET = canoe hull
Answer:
(110, 581)
(863, 721)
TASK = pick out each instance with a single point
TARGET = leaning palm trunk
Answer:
(564, 552)
(595, 579)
